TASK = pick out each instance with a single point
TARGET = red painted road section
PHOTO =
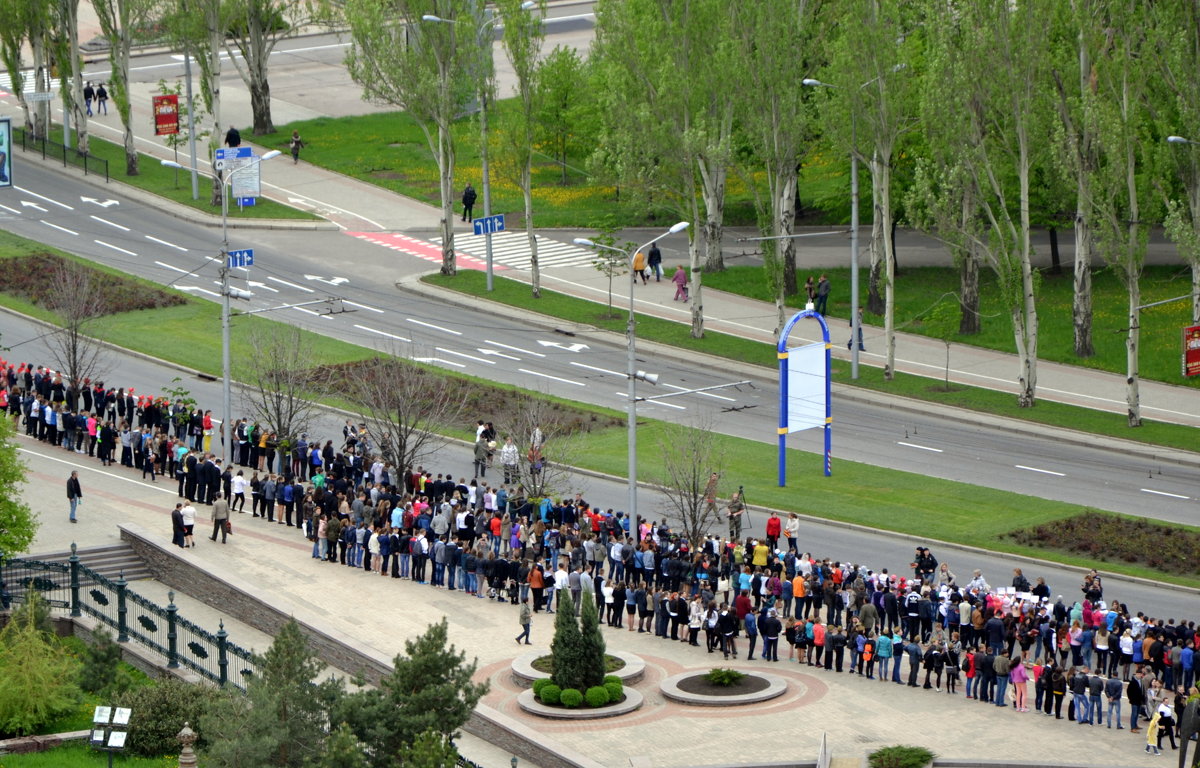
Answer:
(421, 249)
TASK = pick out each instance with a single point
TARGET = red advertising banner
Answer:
(166, 114)
(1191, 351)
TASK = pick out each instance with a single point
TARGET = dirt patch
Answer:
(33, 278)
(698, 684)
(1109, 538)
(545, 664)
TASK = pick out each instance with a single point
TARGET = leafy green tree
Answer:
(591, 645)
(423, 67)
(39, 676)
(18, 525)
(342, 750)
(119, 21)
(429, 689)
(941, 322)
(256, 26)
(160, 710)
(564, 105)
(101, 660)
(29, 25)
(566, 649)
(70, 75)
(431, 749)
(283, 718)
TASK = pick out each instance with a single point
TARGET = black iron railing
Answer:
(68, 155)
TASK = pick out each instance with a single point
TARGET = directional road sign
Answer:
(242, 258)
(489, 224)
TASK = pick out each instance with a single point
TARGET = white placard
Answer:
(103, 715)
(121, 716)
(806, 387)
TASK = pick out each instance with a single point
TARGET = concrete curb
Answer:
(525, 674)
(845, 391)
(776, 686)
(633, 702)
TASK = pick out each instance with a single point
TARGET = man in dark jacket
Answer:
(468, 201)
(1136, 694)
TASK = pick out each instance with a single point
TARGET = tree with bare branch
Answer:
(279, 388)
(76, 297)
(407, 409)
(691, 456)
(548, 447)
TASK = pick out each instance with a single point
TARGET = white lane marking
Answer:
(618, 374)
(198, 288)
(921, 447)
(464, 355)
(10, 210)
(439, 360)
(165, 265)
(435, 327)
(289, 285)
(264, 286)
(1163, 493)
(114, 247)
(43, 197)
(514, 349)
(381, 333)
(554, 378)
(494, 353)
(306, 311)
(362, 306)
(625, 396)
(703, 394)
(1042, 471)
(91, 468)
(60, 229)
(110, 223)
(164, 242)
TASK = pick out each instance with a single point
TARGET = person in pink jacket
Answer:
(1018, 676)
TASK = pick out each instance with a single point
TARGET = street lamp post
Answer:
(631, 372)
(490, 20)
(226, 372)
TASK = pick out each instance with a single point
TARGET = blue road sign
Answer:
(242, 258)
(244, 202)
(489, 224)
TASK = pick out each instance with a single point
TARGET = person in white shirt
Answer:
(238, 486)
(189, 524)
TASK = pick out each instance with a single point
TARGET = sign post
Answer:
(241, 259)
(487, 225)
(166, 114)
(244, 183)
(804, 389)
(1191, 351)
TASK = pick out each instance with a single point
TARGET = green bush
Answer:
(615, 690)
(539, 684)
(900, 757)
(611, 679)
(724, 677)
(551, 694)
(596, 696)
(571, 698)
(39, 676)
(159, 712)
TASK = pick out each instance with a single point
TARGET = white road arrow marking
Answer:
(445, 351)
(576, 347)
(264, 286)
(328, 281)
(494, 353)
(514, 349)
(101, 203)
(28, 204)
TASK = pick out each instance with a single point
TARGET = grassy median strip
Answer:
(516, 294)
(189, 334)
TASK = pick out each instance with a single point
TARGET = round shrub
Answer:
(539, 684)
(160, 711)
(571, 698)
(611, 679)
(596, 696)
(615, 691)
(551, 694)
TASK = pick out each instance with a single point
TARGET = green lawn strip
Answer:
(176, 184)
(78, 754)
(515, 293)
(919, 289)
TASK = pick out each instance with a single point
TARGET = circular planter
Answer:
(775, 686)
(524, 673)
(633, 701)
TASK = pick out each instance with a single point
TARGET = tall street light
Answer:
(490, 21)
(855, 323)
(631, 371)
(226, 395)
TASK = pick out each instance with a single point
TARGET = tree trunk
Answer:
(1132, 339)
(875, 300)
(881, 184)
(785, 249)
(527, 191)
(75, 94)
(1027, 364)
(1055, 257)
(712, 190)
(968, 271)
(1028, 330)
(260, 105)
(1081, 305)
(446, 172)
(256, 68)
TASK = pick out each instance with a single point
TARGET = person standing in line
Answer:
(655, 262)
(295, 145)
(74, 493)
(822, 295)
(101, 100)
(525, 620)
(468, 201)
(220, 516)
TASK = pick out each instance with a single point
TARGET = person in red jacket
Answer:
(774, 528)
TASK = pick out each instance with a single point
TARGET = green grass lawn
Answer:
(919, 289)
(176, 185)
(516, 293)
(81, 755)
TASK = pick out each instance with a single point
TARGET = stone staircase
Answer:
(110, 561)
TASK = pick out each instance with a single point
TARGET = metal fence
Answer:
(68, 155)
(75, 587)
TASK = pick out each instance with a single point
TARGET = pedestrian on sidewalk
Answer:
(89, 93)
(220, 518)
(680, 280)
(295, 145)
(74, 493)
(233, 138)
(810, 289)
(468, 201)
(101, 100)
(525, 620)
(655, 262)
(177, 525)
(850, 343)
(639, 266)
(822, 295)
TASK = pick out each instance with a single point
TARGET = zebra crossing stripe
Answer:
(512, 249)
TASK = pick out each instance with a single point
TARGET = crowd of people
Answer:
(1013, 645)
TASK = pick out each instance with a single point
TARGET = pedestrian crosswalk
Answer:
(511, 249)
(27, 81)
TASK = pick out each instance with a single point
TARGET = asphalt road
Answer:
(294, 267)
(877, 550)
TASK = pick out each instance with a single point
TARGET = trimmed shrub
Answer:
(611, 679)
(615, 690)
(539, 684)
(159, 712)
(900, 756)
(724, 677)
(551, 694)
(571, 698)
(596, 696)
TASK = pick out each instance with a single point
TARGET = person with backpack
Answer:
(295, 145)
